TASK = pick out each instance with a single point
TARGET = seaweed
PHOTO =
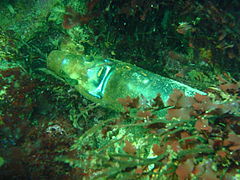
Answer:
(50, 131)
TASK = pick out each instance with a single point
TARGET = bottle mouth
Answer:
(55, 60)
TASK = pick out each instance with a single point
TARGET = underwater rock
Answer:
(103, 80)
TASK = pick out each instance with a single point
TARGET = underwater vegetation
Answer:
(199, 138)
(48, 130)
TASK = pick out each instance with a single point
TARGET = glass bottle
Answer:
(103, 80)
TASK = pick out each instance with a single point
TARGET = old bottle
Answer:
(105, 80)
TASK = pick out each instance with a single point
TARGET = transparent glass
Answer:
(105, 80)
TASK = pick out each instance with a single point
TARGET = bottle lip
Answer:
(54, 60)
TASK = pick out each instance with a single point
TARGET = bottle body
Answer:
(105, 80)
